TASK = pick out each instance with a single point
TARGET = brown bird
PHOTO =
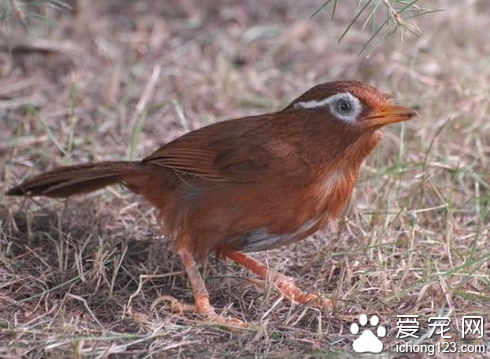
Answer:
(249, 184)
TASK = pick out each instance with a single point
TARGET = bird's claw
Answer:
(206, 311)
(176, 306)
(293, 293)
(229, 323)
(287, 287)
(318, 301)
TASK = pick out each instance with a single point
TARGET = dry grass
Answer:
(78, 277)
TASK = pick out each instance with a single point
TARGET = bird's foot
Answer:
(283, 283)
(287, 287)
(175, 305)
(202, 308)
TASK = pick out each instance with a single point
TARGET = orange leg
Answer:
(201, 296)
(283, 283)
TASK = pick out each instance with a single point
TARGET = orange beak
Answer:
(388, 114)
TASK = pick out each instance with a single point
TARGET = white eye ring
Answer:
(351, 104)
(345, 106)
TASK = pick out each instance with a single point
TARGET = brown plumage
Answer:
(249, 184)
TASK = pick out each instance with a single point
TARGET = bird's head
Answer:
(344, 117)
(352, 104)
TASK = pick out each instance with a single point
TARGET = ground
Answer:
(114, 80)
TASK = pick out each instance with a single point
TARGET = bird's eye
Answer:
(343, 106)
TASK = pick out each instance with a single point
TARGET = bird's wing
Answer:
(223, 151)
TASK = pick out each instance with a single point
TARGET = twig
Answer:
(136, 121)
(392, 22)
(18, 10)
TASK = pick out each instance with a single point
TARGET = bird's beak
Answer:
(390, 114)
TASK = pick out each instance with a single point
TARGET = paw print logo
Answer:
(368, 342)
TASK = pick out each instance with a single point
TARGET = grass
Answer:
(78, 277)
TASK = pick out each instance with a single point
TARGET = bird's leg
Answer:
(202, 305)
(201, 296)
(283, 283)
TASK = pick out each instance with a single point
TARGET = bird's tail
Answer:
(66, 181)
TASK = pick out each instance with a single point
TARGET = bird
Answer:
(249, 184)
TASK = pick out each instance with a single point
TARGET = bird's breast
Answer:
(333, 190)
(314, 207)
